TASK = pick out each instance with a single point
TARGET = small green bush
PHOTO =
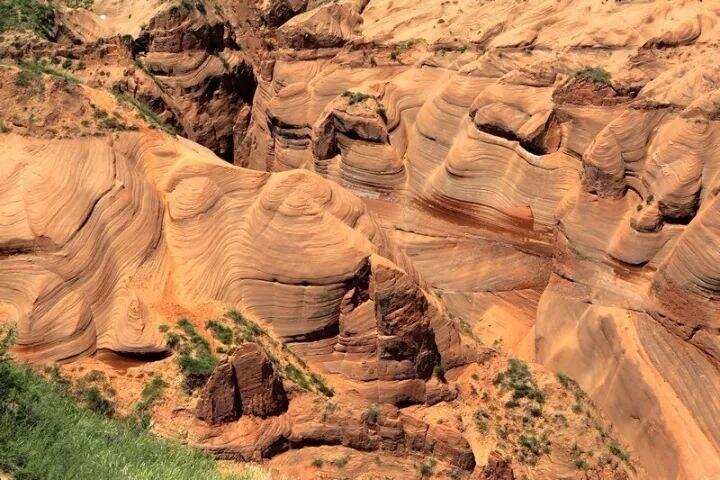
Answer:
(481, 421)
(519, 380)
(318, 463)
(96, 401)
(373, 414)
(151, 393)
(427, 468)
(618, 451)
(249, 330)
(596, 74)
(222, 332)
(532, 447)
(196, 360)
(439, 372)
(355, 97)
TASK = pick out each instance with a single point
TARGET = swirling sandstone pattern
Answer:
(602, 196)
(172, 219)
(546, 171)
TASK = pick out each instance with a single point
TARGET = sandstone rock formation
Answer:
(246, 384)
(395, 190)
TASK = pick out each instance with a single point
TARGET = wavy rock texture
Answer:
(571, 216)
(541, 175)
(172, 220)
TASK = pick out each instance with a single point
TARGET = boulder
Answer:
(245, 384)
(259, 387)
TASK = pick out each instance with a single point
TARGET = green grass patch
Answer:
(34, 15)
(45, 435)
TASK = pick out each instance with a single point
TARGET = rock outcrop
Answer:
(245, 385)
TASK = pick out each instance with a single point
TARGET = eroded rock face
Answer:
(389, 430)
(193, 74)
(219, 401)
(260, 389)
(246, 384)
(562, 190)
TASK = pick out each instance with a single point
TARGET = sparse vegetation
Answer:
(355, 97)
(596, 74)
(439, 372)
(402, 47)
(318, 463)
(45, 435)
(373, 414)
(618, 451)
(532, 447)
(151, 393)
(481, 421)
(80, 3)
(144, 110)
(195, 358)
(34, 15)
(427, 468)
(222, 332)
(37, 67)
(518, 379)
(249, 330)
(341, 461)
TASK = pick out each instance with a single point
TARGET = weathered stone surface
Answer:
(260, 389)
(219, 400)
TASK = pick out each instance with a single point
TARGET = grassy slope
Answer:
(45, 435)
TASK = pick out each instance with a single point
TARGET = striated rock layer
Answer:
(540, 175)
(550, 169)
